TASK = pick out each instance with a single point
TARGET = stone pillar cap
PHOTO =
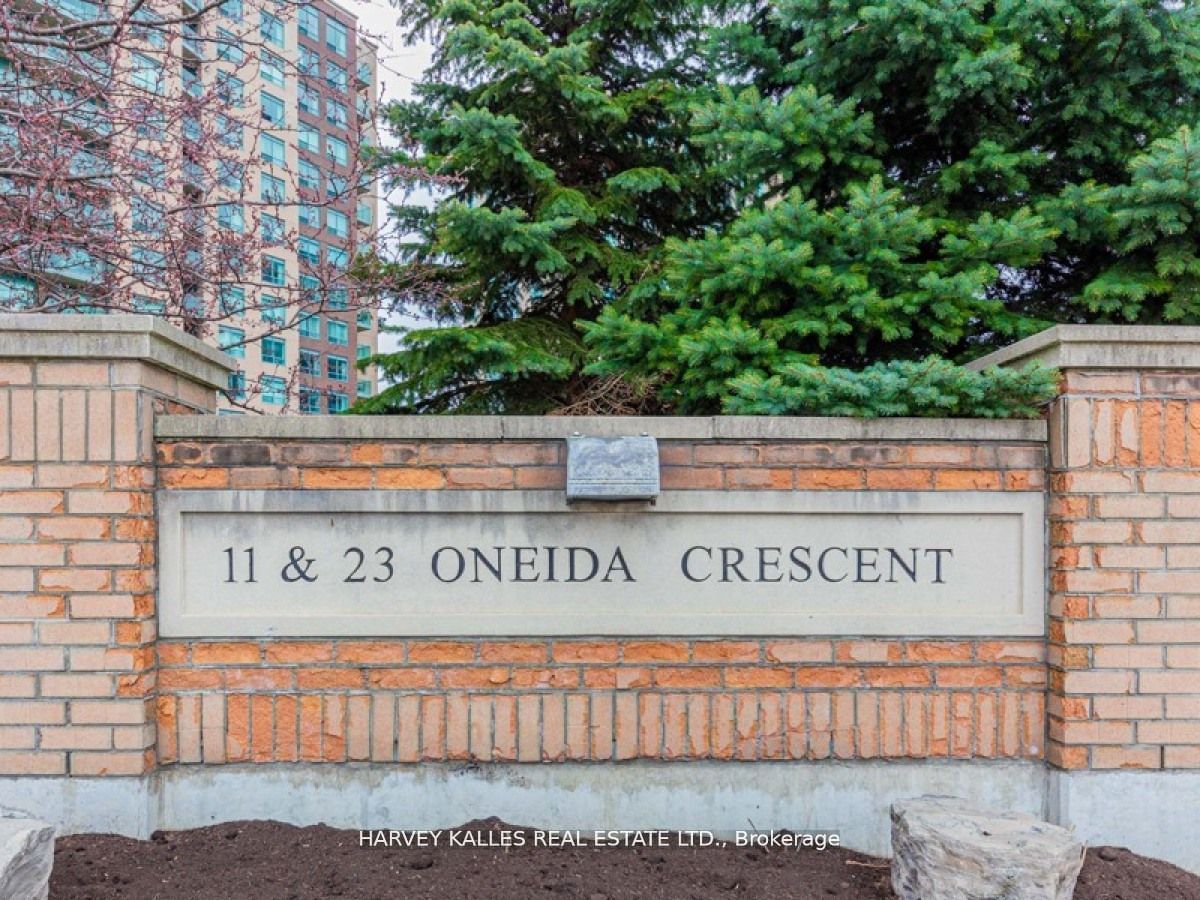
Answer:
(1103, 347)
(47, 337)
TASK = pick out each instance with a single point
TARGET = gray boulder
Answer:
(942, 849)
(26, 858)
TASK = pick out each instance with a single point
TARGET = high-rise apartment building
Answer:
(286, 91)
(314, 91)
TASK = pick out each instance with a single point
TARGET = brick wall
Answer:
(1125, 596)
(77, 577)
(770, 698)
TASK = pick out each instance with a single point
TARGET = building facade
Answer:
(265, 111)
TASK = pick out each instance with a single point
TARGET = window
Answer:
(310, 327)
(335, 36)
(271, 229)
(232, 341)
(272, 309)
(230, 173)
(338, 257)
(309, 251)
(363, 213)
(274, 390)
(270, 68)
(232, 9)
(308, 99)
(310, 176)
(335, 76)
(145, 73)
(335, 113)
(229, 217)
(336, 150)
(310, 291)
(310, 62)
(310, 139)
(337, 222)
(338, 333)
(229, 132)
(237, 386)
(229, 48)
(272, 108)
(147, 217)
(274, 271)
(364, 389)
(364, 319)
(338, 402)
(339, 298)
(274, 351)
(310, 215)
(145, 304)
(148, 264)
(310, 401)
(363, 352)
(310, 363)
(271, 189)
(308, 21)
(337, 368)
(272, 150)
(337, 185)
(232, 300)
(230, 89)
(271, 29)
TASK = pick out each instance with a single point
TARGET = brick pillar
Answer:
(1124, 596)
(77, 533)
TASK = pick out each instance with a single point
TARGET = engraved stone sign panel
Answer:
(424, 563)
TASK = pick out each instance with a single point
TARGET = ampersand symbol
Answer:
(298, 565)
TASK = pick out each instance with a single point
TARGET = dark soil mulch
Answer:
(273, 861)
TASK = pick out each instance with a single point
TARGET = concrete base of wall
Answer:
(1145, 811)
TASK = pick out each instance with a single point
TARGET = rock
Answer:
(944, 850)
(26, 857)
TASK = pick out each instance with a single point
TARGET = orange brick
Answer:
(371, 652)
(333, 729)
(898, 676)
(541, 478)
(335, 478)
(690, 677)
(581, 651)
(968, 480)
(554, 728)
(828, 676)
(329, 679)
(441, 652)
(410, 479)
(969, 676)
(513, 652)
(433, 727)
(758, 479)
(867, 651)
(828, 479)
(310, 728)
(225, 652)
(900, 479)
(504, 729)
(469, 477)
(938, 651)
(578, 723)
(686, 478)
(725, 651)
(1126, 758)
(237, 732)
(488, 677)
(799, 651)
(655, 651)
(758, 677)
(194, 478)
(746, 726)
(299, 651)
(401, 679)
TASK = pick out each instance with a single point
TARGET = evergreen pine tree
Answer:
(915, 179)
(562, 127)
